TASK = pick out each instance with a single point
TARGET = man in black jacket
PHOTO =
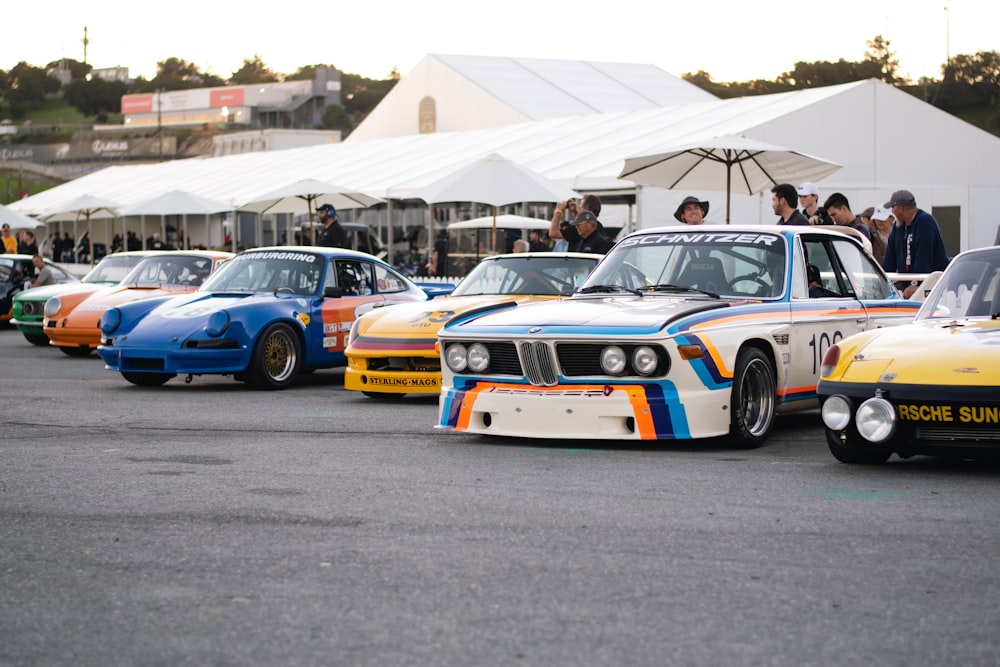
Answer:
(333, 235)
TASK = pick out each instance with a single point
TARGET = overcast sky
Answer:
(733, 41)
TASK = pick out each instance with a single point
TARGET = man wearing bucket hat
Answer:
(915, 244)
(9, 242)
(692, 211)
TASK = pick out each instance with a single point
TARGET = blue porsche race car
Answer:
(267, 315)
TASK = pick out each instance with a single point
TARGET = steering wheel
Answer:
(284, 290)
(763, 287)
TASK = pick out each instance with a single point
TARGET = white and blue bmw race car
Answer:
(679, 333)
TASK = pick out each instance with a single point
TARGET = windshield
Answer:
(164, 269)
(969, 288)
(536, 274)
(268, 271)
(716, 263)
(112, 269)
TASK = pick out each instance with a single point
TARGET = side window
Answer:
(354, 276)
(866, 280)
(387, 281)
(823, 275)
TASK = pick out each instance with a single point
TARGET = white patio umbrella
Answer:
(305, 195)
(497, 181)
(87, 206)
(177, 202)
(17, 220)
(727, 163)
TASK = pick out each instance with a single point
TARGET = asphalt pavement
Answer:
(212, 524)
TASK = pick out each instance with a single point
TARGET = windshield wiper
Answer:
(666, 287)
(591, 289)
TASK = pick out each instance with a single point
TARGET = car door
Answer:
(356, 278)
(883, 307)
(820, 320)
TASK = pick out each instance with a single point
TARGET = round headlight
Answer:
(52, 306)
(456, 356)
(479, 358)
(217, 323)
(836, 413)
(110, 320)
(613, 360)
(644, 360)
(18, 309)
(876, 420)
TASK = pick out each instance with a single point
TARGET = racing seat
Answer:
(705, 273)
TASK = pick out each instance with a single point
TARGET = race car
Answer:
(72, 321)
(391, 353)
(929, 387)
(265, 317)
(679, 333)
(30, 304)
(16, 274)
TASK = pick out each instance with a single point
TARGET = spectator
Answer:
(439, 254)
(521, 245)
(692, 211)
(9, 242)
(26, 244)
(43, 274)
(839, 210)
(154, 242)
(561, 230)
(915, 244)
(536, 244)
(784, 200)
(592, 239)
(332, 234)
(132, 241)
(814, 213)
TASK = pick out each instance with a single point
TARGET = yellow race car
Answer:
(391, 351)
(929, 387)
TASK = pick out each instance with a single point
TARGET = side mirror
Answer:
(333, 292)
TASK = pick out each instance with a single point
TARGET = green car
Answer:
(30, 304)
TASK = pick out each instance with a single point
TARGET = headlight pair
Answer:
(614, 360)
(475, 357)
(875, 418)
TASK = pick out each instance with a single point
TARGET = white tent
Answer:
(885, 139)
(448, 93)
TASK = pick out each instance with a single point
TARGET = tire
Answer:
(76, 350)
(148, 379)
(752, 404)
(867, 454)
(384, 396)
(39, 339)
(276, 358)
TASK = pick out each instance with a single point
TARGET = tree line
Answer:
(969, 83)
(25, 87)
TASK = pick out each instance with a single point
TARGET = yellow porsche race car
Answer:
(391, 351)
(929, 387)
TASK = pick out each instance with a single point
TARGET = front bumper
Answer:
(624, 411)
(177, 361)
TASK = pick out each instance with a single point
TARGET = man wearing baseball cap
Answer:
(9, 242)
(333, 235)
(815, 214)
(915, 244)
(591, 239)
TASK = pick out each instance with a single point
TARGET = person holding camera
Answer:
(815, 214)
(565, 230)
(332, 235)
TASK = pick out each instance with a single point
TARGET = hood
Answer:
(424, 318)
(46, 292)
(938, 352)
(618, 315)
